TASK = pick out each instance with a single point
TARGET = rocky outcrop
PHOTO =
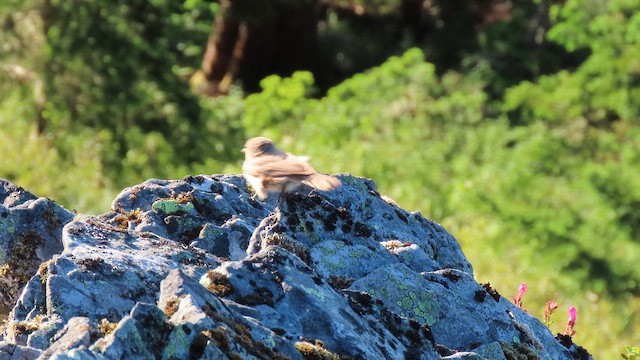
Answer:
(198, 269)
(30, 234)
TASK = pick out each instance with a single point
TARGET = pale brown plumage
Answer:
(270, 170)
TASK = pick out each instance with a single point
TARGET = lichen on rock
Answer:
(30, 234)
(197, 268)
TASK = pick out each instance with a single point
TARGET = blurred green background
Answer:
(515, 124)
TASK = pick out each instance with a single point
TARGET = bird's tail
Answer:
(322, 182)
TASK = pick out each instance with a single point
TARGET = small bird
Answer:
(270, 170)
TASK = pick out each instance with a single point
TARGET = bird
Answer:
(271, 170)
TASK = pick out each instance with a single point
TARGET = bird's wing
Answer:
(276, 166)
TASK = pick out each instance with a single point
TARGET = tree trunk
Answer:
(219, 55)
(249, 43)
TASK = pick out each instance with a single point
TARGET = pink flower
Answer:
(549, 308)
(522, 290)
(571, 322)
(518, 299)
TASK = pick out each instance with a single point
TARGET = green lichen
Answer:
(406, 256)
(334, 267)
(490, 351)
(210, 232)
(356, 254)
(328, 251)
(172, 206)
(8, 224)
(355, 183)
(415, 303)
(420, 304)
(314, 292)
(380, 292)
(271, 341)
(424, 311)
(328, 256)
(400, 285)
(178, 341)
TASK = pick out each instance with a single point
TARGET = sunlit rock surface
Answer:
(198, 269)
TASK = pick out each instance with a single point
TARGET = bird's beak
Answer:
(243, 150)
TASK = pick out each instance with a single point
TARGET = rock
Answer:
(79, 331)
(10, 351)
(30, 234)
(199, 269)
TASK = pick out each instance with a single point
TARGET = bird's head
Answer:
(258, 146)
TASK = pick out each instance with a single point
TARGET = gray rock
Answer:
(9, 351)
(30, 234)
(79, 331)
(199, 269)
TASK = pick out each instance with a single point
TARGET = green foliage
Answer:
(633, 353)
(556, 197)
(281, 102)
(603, 89)
(32, 159)
(592, 110)
(101, 88)
(116, 72)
